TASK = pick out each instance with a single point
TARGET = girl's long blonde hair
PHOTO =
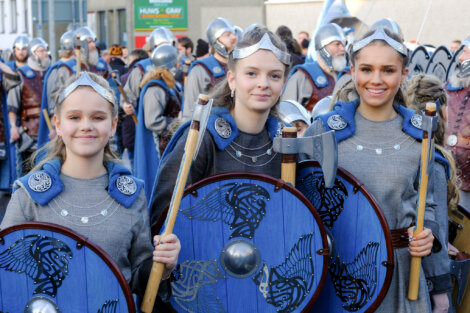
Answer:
(159, 73)
(56, 147)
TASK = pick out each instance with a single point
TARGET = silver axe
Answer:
(322, 148)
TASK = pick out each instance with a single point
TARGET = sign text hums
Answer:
(150, 14)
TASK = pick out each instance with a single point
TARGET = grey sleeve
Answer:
(62, 75)
(20, 209)
(141, 248)
(154, 102)
(132, 87)
(14, 98)
(436, 266)
(169, 169)
(198, 82)
(51, 82)
(10, 80)
(297, 88)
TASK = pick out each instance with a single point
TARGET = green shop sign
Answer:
(150, 14)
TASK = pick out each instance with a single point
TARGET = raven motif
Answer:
(286, 285)
(329, 202)
(44, 259)
(355, 282)
(240, 205)
(194, 287)
(109, 307)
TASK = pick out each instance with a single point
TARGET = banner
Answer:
(150, 14)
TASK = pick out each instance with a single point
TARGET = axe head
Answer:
(321, 148)
(25, 141)
(460, 270)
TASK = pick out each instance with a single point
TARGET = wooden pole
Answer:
(47, 119)
(189, 150)
(289, 160)
(121, 91)
(427, 142)
(77, 49)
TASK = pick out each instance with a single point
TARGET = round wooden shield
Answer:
(439, 63)
(454, 65)
(49, 268)
(361, 260)
(249, 243)
(418, 61)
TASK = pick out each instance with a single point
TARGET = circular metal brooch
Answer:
(321, 80)
(223, 128)
(417, 121)
(337, 122)
(126, 185)
(40, 182)
(452, 140)
(217, 69)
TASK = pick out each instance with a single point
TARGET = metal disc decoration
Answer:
(249, 243)
(418, 61)
(360, 268)
(454, 65)
(49, 266)
(439, 63)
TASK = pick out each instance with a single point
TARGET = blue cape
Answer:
(7, 167)
(146, 155)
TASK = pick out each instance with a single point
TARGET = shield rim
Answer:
(427, 56)
(358, 186)
(455, 58)
(83, 241)
(279, 184)
(433, 56)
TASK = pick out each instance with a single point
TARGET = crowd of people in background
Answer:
(141, 98)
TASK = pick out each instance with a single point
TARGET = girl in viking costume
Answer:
(241, 127)
(82, 186)
(379, 143)
(420, 90)
(159, 106)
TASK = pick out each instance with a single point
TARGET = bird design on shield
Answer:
(44, 259)
(240, 205)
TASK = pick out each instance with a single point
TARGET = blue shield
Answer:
(250, 243)
(49, 266)
(361, 261)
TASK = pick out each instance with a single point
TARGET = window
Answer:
(122, 27)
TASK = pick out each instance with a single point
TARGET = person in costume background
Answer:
(159, 106)
(206, 73)
(242, 126)
(82, 186)
(457, 117)
(310, 82)
(379, 143)
(421, 89)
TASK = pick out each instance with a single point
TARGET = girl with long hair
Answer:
(379, 143)
(81, 185)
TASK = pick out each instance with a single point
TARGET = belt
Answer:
(400, 238)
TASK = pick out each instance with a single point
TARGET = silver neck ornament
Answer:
(85, 80)
(380, 34)
(266, 44)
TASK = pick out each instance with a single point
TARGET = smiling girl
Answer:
(379, 143)
(241, 127)
(82, 186)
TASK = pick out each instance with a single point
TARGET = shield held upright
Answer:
(361, 262)
(249, 243)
